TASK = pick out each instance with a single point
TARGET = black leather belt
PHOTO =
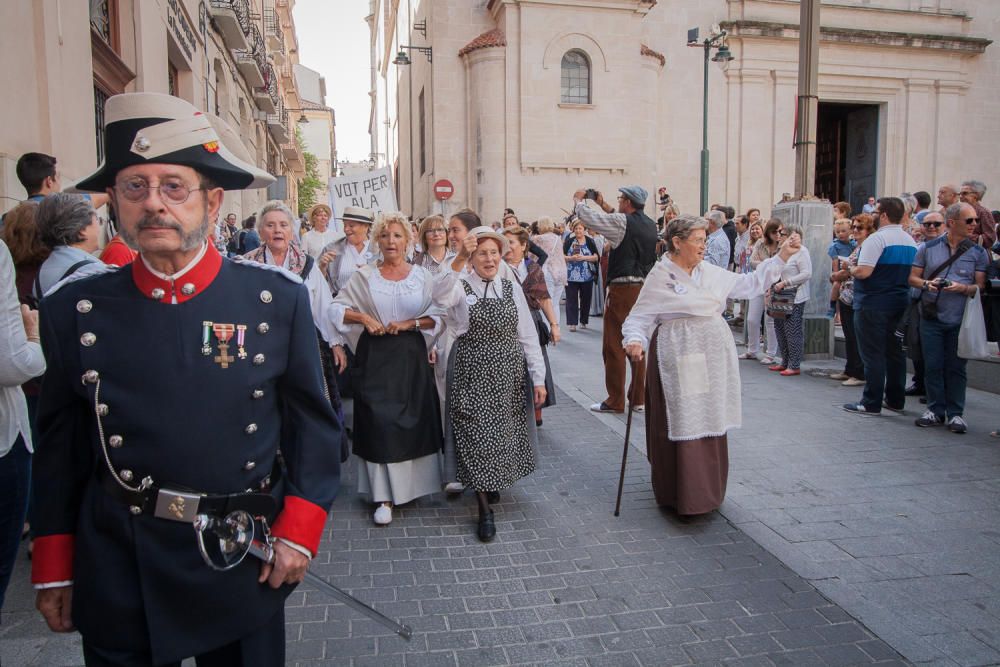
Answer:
(175, 503)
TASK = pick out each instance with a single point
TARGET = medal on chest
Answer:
(223, 332)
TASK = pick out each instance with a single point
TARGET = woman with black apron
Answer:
(495, 350)
(387, 314)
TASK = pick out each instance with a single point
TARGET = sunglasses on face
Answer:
(782, 232)
(857, 228)
(932, 224)
(971, 221)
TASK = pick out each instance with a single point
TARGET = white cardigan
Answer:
(20, 360)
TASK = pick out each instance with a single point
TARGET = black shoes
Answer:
(914, 390)
(487, 529)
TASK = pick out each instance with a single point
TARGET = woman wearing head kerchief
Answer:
(340, 259)
(433, 238)
(389, 318)
(274, 226)
(495, 350)
(321, 232)
(532, 280)
(693, 378)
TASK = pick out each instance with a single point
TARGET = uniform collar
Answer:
(187, 283)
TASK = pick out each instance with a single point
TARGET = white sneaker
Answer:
(383, 515)
(957, 425)
(639, 408)
(767, 360)
(454, 487)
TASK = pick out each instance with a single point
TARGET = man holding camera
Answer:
(632, 235)
(947, 270)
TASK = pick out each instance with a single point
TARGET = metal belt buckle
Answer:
(176, 505)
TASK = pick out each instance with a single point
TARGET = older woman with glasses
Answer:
(693, 378)
(434, 251)
(789, 329)
(862, 226)
(68, 224)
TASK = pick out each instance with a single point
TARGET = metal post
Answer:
(704, 134)
(808, 101)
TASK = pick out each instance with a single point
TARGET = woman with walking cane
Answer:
(693, 379)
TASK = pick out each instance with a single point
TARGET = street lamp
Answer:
(722, 57)
(403, 59)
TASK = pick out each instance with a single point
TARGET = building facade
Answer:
(233, 58)
(521, 102)
(317, 126)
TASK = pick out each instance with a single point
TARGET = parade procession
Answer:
(466, 339)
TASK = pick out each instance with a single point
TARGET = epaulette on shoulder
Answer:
(268, 267)
(90, 273)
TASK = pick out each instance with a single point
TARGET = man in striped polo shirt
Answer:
(881, 295)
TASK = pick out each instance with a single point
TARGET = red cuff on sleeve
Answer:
(52, 559)
(301, 522)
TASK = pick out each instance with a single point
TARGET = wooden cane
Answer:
(628, 433)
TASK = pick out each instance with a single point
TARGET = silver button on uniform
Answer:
(157, 293)
(258, 359)
(116, 441)
(249, 465)
(102, 409)
(88, 339)
(263, 328)
(251, 429)
(126, 475)
(90, 377)
(187, 289)
(257, 393)
(84, 306)
(135, 510)
(265, 296)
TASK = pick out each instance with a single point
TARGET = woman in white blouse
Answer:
(555, 267)
(20, 360)
(274, 225)
(488, 400)
(434, 252)
(321, 233)
(692, 375)
(390, 321)
(340, 259)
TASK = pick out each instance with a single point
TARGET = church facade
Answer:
(518, 103)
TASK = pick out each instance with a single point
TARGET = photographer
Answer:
(948, 271)
(631, 235)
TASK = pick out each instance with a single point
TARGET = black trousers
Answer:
(578, 296)
(264, 647)
(854, 367)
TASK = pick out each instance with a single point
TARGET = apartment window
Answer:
(172, 79)
(104, 20)
(100, 97)
(423, 135)
(575, 88)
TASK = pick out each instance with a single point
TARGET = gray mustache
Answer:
(157, 223)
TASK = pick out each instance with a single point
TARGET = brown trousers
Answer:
(621, 298)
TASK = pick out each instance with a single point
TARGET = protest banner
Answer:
(372, 190)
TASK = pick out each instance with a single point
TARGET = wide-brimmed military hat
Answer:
(153, 128)
(358, 214)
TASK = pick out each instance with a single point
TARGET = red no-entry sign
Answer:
(443, 189)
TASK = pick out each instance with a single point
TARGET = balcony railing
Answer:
(277, 124)
(253, 60)
(232, 20)
(272, 30)
(266, 96)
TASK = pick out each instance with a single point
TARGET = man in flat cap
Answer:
(632, 236)
(184, 384)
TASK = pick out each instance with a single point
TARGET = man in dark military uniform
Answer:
(182, 384)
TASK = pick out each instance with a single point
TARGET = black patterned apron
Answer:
(486, 405)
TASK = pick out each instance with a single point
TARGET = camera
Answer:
(943, 283)
(591, 194)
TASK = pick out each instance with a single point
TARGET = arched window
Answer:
(575, 78)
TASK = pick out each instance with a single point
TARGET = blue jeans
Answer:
(15, 478)
(944, 370)
(883, 356)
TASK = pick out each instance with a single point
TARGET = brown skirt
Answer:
(688, 476)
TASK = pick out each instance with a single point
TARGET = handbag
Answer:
(972, 336)
(780, 304)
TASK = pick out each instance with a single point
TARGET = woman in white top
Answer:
(692, 377)
(488, 393)
(20, 360)
(275, 227)
(322, 233)
(433, 240)
(340, 259)
(789, 329)
(388, 315)
(555, 267)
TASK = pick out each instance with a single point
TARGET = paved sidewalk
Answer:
(565, 583)
(897, 524)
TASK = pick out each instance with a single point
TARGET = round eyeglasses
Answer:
(172, 191)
